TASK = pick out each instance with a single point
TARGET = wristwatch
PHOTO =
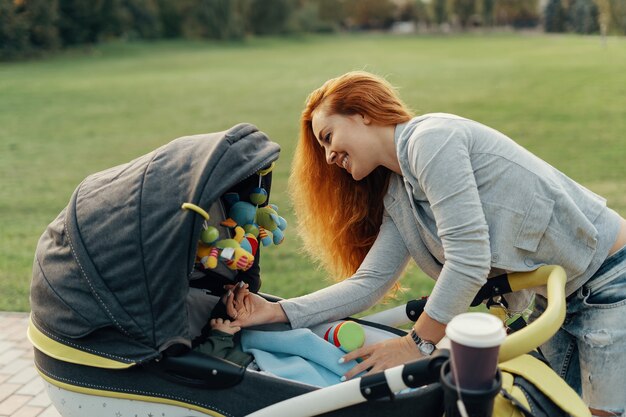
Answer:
(426, 347)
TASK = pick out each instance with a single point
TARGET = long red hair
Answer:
(338, 216)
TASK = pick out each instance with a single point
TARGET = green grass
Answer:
(563, 97)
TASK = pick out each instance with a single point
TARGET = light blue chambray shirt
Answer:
(470, 203)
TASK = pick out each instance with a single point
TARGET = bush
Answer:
(170, 18)
(14, 37)
(583, 17)
(306, 18)
(554, 16)
(26, 27)
(618, 16)
(214, 19)
(269, 17)
(142, 19)
(42, 18)
(84, 22)
(517, 13)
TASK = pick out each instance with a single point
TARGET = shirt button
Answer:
(529, 262)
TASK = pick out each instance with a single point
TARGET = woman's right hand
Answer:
(249, 309)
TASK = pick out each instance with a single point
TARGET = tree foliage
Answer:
(517, 13)
(583, 17)
(554, 16)
(29, 26)
(270, 17)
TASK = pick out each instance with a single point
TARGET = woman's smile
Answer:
(345, 162)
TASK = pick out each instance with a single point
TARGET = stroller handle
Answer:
(546, 325)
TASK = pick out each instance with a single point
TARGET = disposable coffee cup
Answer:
(475, 340)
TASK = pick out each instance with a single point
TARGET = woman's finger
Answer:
(230, 308)
(357, 369)
(362, 352)
(240, 294)
(247, 305)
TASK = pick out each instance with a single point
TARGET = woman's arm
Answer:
(377, 274)
(440, 159)
(379, 271)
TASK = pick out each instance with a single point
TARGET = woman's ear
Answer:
(366, 119)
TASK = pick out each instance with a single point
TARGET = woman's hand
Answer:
(249, 309)
(383, 355)
(234, 300)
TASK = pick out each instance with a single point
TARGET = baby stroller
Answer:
(116, 303)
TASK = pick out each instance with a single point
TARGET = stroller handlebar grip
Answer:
(544, 327)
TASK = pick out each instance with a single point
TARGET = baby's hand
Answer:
(224, 326)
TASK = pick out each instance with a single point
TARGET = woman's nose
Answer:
(331, 157)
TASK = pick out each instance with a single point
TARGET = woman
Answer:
(374, 186)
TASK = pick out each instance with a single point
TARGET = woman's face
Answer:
(348, 141)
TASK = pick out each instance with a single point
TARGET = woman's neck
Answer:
(388, 155)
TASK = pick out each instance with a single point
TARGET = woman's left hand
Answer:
(383, 355)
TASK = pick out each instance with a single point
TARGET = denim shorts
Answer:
(589, 350)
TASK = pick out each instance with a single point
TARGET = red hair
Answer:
(338, 216)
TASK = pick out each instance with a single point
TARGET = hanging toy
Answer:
(264, 223)
(237, 253)
(258, 196)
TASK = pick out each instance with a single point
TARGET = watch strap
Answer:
(420, 343)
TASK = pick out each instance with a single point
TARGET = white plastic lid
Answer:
(479, 330)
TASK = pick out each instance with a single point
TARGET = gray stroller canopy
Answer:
(111, 272)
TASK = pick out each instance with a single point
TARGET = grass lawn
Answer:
(563, 97)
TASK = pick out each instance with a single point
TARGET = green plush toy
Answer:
(263, 223)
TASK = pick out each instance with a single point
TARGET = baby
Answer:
(296, 354)
(220, 341)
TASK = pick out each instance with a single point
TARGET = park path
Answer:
(22, 391)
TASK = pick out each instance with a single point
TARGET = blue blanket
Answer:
(297, 354)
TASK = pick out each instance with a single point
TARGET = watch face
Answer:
(426, 348)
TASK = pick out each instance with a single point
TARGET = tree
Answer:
(269, 17)
(488, 7)
(370, 14)
(213, 19)
(554, 16)
(142, 18)
(42, 18)
(618, 16)
(440, 11)
(584, 16)
(331, 12)
(517, 13)
(14, 38)
(464, 9)
(82, 21)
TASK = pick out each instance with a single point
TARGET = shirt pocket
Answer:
(535, 223)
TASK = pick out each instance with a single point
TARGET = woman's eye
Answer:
(327, 138)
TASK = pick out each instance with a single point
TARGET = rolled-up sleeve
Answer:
(440, 160)
(380, 269)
